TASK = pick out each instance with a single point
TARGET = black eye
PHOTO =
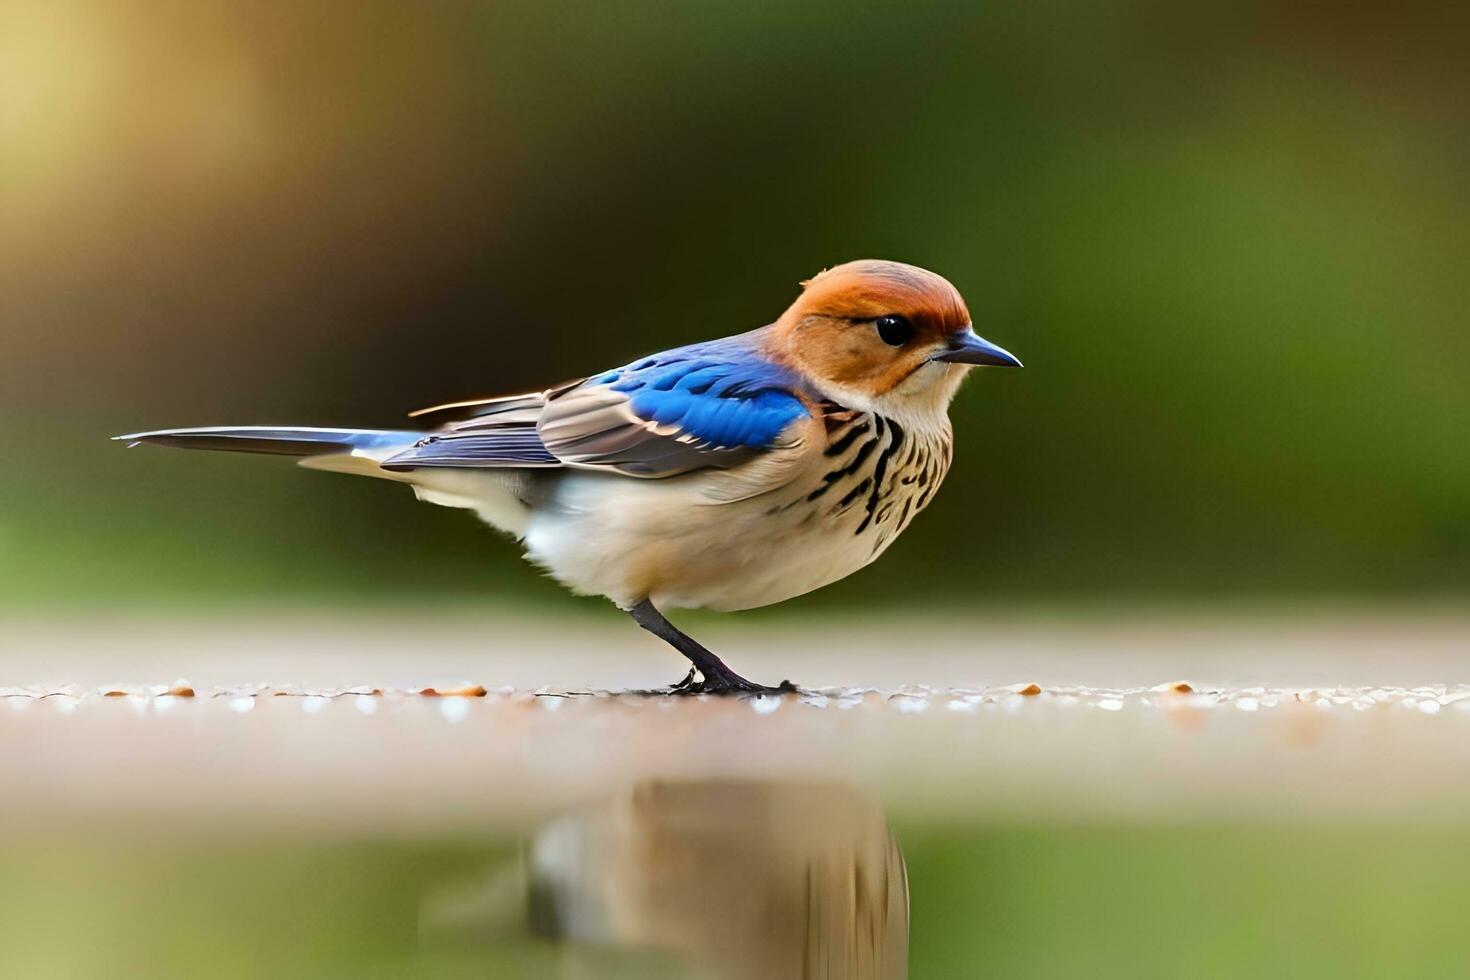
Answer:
(894, 329)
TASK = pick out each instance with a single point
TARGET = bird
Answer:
(727, 474)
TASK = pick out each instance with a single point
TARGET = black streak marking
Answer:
(863, 453)
(848, 438)
(880, 469)
(854, 494)
(857, 460)
(912, 451)
(928, 489)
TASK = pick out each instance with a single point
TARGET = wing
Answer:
(715, 404)
(491, 432)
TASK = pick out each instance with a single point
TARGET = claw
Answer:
(692, 683)
(686, 685)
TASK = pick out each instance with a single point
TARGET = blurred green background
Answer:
(1227, 239)
(994, 901)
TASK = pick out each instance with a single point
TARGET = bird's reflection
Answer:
(716, 878)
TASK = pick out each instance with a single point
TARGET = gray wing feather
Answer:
(590, 426)
(509, 447)
(596, 426)
(499, 432)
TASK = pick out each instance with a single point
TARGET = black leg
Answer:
(716, 678)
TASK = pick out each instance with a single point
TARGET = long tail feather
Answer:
(276, 440)
(495, 494)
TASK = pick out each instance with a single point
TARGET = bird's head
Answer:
(884, 335)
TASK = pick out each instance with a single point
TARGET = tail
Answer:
(493, 494)
(278, 440)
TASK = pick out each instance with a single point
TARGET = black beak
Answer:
(971, 348)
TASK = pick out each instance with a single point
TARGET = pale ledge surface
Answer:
(1337, 716)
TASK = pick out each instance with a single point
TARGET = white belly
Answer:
(665, 541)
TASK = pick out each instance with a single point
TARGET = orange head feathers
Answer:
(870, 288)
(880, 329)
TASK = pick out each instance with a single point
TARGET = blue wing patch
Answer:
(724, 404)
(710, 404)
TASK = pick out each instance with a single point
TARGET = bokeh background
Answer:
(1228, 239)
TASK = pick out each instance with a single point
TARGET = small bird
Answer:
(727, 474)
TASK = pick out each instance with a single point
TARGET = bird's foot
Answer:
(713, 676)
(724, 685)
